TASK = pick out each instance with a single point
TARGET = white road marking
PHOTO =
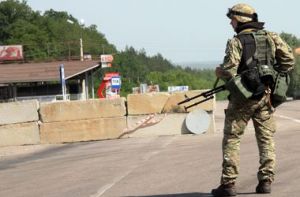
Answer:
(289, 118)
(103, 189)
(146, 157)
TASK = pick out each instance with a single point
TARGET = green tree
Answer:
(294, 42)
(50, 36)
(32, 38)
(10, 12)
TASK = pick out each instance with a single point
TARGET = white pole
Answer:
(81, 50)
(81, 45)
(63, 82)
(92, 81)
(86, 86)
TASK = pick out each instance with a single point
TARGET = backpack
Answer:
(257, 70)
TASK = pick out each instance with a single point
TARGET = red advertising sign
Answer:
(106, 60)
(11, 52)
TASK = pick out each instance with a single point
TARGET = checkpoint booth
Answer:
(111, 82)
(110, 86)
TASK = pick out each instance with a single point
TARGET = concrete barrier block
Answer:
(82, 130)
(175, 98)
(19, 134)
(147, 103)
(81, 110)
(161, 124)
(212, 126)
(19, 112)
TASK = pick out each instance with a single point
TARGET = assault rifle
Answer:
(207, 96)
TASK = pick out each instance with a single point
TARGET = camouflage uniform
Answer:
(260, 111)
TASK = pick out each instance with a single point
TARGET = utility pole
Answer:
(81, 50)
(81, 45)
(80, 40)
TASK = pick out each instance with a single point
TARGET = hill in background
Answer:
(200, 65)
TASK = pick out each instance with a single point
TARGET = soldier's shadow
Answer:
(195, 194)
(246, 193)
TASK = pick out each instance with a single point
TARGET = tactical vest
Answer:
(256, 69)
(256, 66)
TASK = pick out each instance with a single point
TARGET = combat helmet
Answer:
(243, 13)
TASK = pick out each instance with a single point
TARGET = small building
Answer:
(42, 81)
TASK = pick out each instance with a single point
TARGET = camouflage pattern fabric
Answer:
(233, 54)
(239, 112)
(237, 117)
(284, 54)
(242, 8)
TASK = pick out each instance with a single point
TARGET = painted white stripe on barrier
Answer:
(146, 122)
(289, 118)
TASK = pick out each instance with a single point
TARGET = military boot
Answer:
(263, 187)
(224, 190)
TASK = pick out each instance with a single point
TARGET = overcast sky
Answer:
(181, 30)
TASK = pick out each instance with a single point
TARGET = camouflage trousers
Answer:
(238, 114)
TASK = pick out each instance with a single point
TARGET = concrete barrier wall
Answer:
(148, 103)
(72, 121)
(140, 104)
(174, 98)
(82, 110)
(82, 130)
(19, 112)
(169, 117)
(159, 124)
(19, 134)
(75, 121)
(19, 123)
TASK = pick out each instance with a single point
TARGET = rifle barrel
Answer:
(207, 95)
(192, 105)
(189, 99)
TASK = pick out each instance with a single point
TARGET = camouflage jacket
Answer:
(280, 49)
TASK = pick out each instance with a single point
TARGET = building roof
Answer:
(49, 71)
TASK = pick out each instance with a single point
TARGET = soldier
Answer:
(252, 49)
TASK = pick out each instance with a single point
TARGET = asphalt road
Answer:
(182, 166)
